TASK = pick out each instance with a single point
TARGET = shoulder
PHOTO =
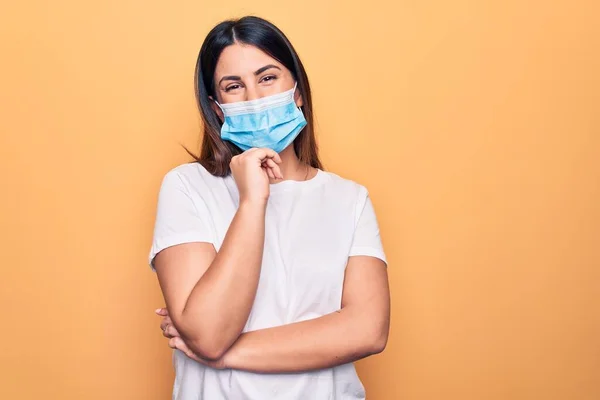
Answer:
(349, 191)
(191, 175)
(189, 172)
(344, 186)
(191, 179)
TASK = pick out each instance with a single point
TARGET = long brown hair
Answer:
(215, 154)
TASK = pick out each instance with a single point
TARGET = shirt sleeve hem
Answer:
(368, 251)
(175, 239)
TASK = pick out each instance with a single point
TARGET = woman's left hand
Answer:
(176, 342)
(166, 325)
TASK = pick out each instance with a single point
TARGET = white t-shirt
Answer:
(311, 228)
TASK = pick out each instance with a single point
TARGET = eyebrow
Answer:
(266, 67)
(257, 72)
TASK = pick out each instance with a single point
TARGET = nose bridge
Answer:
(252, 91)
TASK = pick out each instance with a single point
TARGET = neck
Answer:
(291, 167)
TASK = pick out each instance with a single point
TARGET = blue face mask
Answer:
(272, 122)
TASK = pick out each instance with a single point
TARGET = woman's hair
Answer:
(215, 154)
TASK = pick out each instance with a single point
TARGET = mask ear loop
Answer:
(294, 95)
(217, 103)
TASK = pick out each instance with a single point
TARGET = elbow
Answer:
(210, 345)
(210, 342)
(208, 350)
(378, 344)
(377, 339)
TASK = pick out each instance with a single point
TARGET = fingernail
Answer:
(157, 310)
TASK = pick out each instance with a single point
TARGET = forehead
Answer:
(242, 59)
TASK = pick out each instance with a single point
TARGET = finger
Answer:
(263, 153)
(277, 171)
(167, 332)
(270, 163)
(268, 170)
(173, 331)
(170, 332)
(274, 169)
(276, 157)
(179, 344)
(165, 321)
(161, 311)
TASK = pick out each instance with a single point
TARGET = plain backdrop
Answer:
(474, 124)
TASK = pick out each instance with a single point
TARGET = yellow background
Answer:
(475, 125)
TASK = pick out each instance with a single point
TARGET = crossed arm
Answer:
(358, 330)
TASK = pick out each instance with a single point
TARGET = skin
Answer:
(209, 295)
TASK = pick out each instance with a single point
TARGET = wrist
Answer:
(234, 357)
(253, 203)
(231, 358)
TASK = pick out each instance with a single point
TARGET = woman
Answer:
(272, 270)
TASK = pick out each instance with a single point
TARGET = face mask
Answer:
(272, 122)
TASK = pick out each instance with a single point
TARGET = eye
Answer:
(268, 78)
(233, 87)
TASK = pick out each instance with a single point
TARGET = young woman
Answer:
(272, 270)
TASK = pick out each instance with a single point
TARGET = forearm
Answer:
(219, 304)
(334, 339)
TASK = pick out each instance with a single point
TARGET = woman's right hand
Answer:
(252, 170)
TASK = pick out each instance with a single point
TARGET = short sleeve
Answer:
(367, 241)
(179, 218)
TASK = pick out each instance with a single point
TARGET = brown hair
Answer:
(215, 154)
